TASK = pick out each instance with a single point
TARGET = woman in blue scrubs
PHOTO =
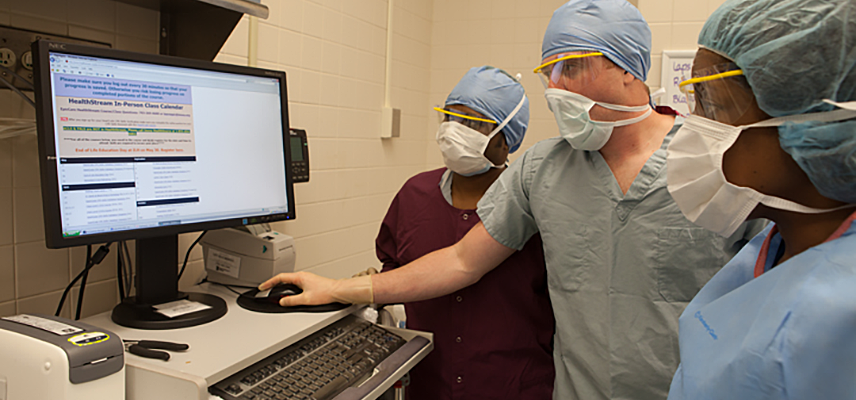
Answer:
(772, 135)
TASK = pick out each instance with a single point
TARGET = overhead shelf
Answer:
(199, 28)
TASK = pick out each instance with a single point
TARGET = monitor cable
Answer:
(124, 270)
(83, 283)
(95, 260)
(187, 256)
(14, 89)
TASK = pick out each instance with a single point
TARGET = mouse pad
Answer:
(247, 301)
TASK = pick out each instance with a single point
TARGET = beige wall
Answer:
(333, 52)
(31, 276)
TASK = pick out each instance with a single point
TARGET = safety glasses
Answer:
(720, 92)
(578, 66)
(483, 125)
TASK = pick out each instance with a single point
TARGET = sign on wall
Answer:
(677, 67)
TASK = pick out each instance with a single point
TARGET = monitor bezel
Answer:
(47, 150)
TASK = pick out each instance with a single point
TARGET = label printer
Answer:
(47, 357)
(247, 256)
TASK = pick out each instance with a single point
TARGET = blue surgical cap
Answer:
(795, 54)
(495, 94)
(613, 27)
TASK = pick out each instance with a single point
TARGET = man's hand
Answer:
(319, 290)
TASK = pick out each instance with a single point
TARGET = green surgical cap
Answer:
(795, 54)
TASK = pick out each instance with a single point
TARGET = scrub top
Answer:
(786, 334)
(492, 340)
(620, 267)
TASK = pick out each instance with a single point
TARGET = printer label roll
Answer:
(55, 327)
(224, 263)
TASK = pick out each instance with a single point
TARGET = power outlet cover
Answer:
(18, 42)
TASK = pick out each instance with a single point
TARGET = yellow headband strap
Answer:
(572, 56)
(444, 111)
(711, 77)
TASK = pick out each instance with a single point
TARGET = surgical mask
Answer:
(575, 124)
(463, 147)
(697, 183)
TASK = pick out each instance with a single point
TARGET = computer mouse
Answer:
(277, 292)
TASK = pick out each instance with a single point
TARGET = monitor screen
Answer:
(138, 145)
(145, 147)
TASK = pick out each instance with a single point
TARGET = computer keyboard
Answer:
(316, 368)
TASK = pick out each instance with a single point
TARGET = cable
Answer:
(186, 256)
(16, 90)
(129, 270)
(21, 78)
(120, 266)
(96, 259)
(230, 287)
(83, 283)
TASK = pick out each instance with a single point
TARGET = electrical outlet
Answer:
(8, 58)
(27, 61)
(15, 53)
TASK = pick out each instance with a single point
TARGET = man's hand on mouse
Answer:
(319, 290)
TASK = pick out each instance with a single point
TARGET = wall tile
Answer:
(291, 16)
(93, 14)
(7, 274)
(131, 43)
(39, 269)
(44, 304)
(6, 217)
(44, 9)
(29, 215)
(7, 309)
(25, 162)
(5, 163)
(313, 19)
(269, 47)
(139, 22)
(275, 15)
(661, 37)
(82, 32)
(332, 25)
(101, 272)
(238, 41)
(99, 297)
(290, 48)
(38, 24)
(685, 35)
(657, 10)
(691, 10)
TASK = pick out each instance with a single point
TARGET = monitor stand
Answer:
(156, 282)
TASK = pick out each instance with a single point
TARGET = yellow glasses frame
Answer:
(710, 78)
(569, 57)
(470, 117)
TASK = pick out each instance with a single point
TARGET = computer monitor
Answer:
(145, 147)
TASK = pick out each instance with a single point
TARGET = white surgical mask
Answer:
(575, 124)
(698, 185)
(463, 147)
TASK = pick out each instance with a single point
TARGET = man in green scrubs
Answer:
(622, 261)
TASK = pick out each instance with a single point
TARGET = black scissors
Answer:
(151, 348)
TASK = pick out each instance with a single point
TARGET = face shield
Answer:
(483, 125)
(719, 92)
(577, 66)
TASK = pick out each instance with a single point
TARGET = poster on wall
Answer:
(677, 67)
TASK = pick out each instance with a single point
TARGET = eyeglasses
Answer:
(720, 92)
(573, 65)
(480, 124)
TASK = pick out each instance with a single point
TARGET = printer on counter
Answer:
(47, 357)
(248, 255)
